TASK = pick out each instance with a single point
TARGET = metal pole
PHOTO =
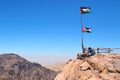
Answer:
(83, 48)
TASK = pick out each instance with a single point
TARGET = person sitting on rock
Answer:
(89, 53)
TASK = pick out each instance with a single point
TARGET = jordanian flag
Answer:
(85, 29)
(84, 10)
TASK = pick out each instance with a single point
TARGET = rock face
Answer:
(14, 67)
(98, 67)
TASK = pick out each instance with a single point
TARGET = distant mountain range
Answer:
(14, 67)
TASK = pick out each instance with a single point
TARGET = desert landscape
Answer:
(97, 67)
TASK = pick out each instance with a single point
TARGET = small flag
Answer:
(84, 10)
(85, 29)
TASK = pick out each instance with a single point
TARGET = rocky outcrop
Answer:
(14, 67)
(98, 67)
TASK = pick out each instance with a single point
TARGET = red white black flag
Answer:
(84, 10)
(85, 29)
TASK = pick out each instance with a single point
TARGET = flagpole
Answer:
(83, 10)
(83, 49)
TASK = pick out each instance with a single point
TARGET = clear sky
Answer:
(52, 27)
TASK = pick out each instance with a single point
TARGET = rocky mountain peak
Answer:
(98, 67)
(14, 67)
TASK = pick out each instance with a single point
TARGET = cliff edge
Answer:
(98, 67)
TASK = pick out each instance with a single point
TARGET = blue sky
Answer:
(52, 27)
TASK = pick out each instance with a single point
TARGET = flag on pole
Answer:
(85, 29)
(84, 10)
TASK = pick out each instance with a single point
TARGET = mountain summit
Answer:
(14, 67)
(98, 67)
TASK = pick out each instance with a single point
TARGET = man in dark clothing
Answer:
(91, 52)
